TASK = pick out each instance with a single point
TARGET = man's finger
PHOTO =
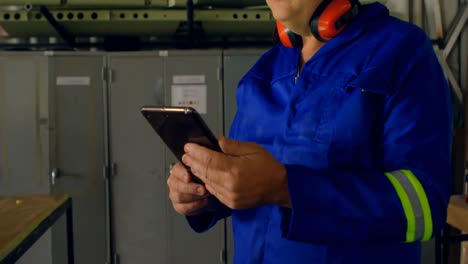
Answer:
(191, 208)
(236, 148)
(205, 155)
(207, 170)
(214, 167)
(179, 186)
(180, 172)
(181, 198)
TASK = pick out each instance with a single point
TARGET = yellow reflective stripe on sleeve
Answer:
(415, 204)
(407, 208)
(424, 204)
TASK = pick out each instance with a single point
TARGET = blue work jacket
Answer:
(365, 136)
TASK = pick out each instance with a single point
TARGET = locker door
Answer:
(77, 153)
(236, 64)
(193, 76)
(24, 134)
(139, 189)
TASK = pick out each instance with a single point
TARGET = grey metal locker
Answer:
(194, 71)
(146, 227)
(24, 134)
(236, 63)
(77, 153)
(139, 193)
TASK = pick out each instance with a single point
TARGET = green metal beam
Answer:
(31, 2)
(142, 3)
(136, 22)
(106, 3)
(117, 20)
(217, 3)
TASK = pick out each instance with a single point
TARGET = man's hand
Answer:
(188, 198)
(245, 176)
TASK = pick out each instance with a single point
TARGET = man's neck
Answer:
(310, 46)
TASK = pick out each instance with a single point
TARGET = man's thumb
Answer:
(234, 147)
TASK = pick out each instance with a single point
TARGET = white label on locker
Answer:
(188, 79)
(73, 81)
(189, 95)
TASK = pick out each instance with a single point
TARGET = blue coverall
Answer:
(365, 135)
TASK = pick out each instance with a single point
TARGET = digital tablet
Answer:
(177, 126)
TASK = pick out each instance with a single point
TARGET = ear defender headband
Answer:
(287, 37)
(328, 20)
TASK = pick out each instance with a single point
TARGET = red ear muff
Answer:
(328, 20)
(287, 37)
(331, 17)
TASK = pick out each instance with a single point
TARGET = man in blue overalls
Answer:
(340, 149)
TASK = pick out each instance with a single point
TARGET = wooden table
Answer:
(23, 220)
(457, 217)
(458, 213)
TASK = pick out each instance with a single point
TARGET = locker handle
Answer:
(56, 173)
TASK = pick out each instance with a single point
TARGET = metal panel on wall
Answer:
(106, 3)
(77, 153)
(32, 2)
(24, 134)
(192, 78)
(236, 64)
(217, 3)
(139, 192)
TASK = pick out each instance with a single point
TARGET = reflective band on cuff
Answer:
(415, 204)
(424, 204)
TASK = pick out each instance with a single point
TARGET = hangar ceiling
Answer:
(130, 24)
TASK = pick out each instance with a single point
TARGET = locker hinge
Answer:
(113, 169)
(116, 259)
(220, 73)
(107, 74)
(223, 256)
(110, 171)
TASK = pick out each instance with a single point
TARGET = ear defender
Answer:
(330, 18)
(287, 37)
